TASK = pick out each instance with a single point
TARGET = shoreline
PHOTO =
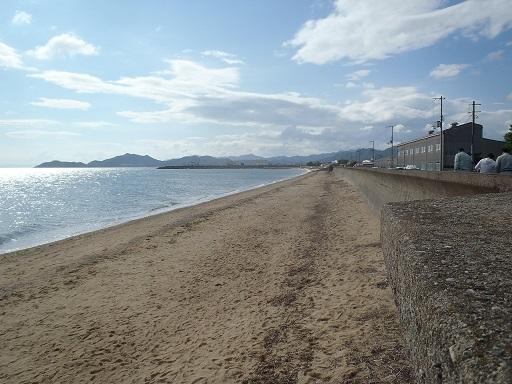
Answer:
(145, 215)
(284, 283)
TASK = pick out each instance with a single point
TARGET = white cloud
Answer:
(189, 79)
(28, 135)
(358, 75)
(289, 141)
(389, 104)
(495, 56)
(279, 122)
(365, 30)
(495, 122)
(200, 94)
(79, 82)
(443, 71)
(509, 97)
(64, 45)
(9, 58)
(228, 58)
(21, 18)
(32, 123)
(400, 128)
(62, 103)
(94, 124)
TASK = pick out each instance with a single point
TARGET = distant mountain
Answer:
(127, 160)
(357, 155)
(198, 161)
(246, 157)
(61, 164)
(133, 160)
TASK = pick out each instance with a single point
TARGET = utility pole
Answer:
(373, 151)
(358, 156)
(441, 98)
(392, 149)
(473, 116)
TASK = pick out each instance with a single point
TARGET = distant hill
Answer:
(361, 154)
(198, 161)
(127, 160)
(249, 157)
(61, 164)
(133, 160)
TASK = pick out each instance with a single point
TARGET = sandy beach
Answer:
(281, 284)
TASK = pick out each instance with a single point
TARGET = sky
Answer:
(91, 79)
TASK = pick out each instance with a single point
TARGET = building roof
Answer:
(437, 133)
(419, 139)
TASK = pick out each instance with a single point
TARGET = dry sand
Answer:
(282, 284)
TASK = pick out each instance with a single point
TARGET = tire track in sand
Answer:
(289, 346)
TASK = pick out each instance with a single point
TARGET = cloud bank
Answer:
(366, 30)
(62, 104)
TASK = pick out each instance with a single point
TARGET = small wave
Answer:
(5, 239)
(20, 232)
(164, 206)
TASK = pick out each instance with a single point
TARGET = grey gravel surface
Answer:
(449, 263)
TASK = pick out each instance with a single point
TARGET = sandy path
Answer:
(284, 284)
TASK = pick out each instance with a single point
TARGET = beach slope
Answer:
(281, 284)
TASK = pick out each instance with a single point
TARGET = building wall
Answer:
(460, 137)
(491, 146)
(424, 153)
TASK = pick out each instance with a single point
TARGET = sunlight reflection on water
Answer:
(47, 204)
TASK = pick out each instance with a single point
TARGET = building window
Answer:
(406, 152)
(417, 150)
(422, 149)
(438, 147)
(430, 148)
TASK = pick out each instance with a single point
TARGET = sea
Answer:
(42, 205)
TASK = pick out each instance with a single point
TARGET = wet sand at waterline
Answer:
(281, 284)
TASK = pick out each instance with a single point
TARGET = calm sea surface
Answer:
(38, 206)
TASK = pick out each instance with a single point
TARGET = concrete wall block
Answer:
(452, 287)
(449, 264)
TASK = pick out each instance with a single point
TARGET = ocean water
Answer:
(38, 206)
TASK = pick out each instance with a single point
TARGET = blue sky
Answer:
(84, 80)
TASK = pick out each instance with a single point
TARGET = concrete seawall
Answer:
(447, 244)
(381, 186)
